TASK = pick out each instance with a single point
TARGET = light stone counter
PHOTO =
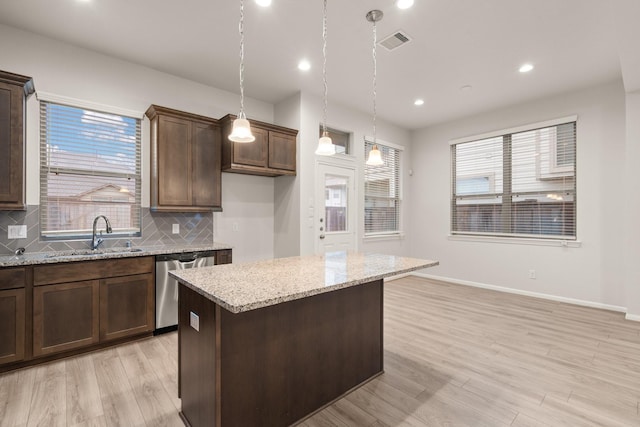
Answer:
(249, 286)
(106, 253)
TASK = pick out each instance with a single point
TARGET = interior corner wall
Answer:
(592, 273)
(287, 188)
(632, 206)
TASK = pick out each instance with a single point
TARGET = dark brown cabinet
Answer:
(65, 317)
(77, 305)
(14, 91)
(273, 153)
(126, 306)
(185, 161)
(223, 257)
(12, 315)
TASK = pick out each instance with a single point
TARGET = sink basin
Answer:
(89, 252)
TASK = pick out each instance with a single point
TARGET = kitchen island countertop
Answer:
(249, 286)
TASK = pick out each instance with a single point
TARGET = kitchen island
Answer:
(269, 343)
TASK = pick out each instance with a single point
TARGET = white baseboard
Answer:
(632, 317)
(532, 294)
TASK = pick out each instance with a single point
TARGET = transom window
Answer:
(518, 183)
(89, 166)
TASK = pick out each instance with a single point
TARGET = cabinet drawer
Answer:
(12, 278)
(90, 270)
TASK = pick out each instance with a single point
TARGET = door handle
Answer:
(322, 236)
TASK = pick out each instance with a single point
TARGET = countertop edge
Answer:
(38, 258)
(292, 297)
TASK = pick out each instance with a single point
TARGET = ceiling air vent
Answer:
(395, 40)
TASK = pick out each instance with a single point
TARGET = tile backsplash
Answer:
(195, 228)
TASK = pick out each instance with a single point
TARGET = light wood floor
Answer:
(454, 356)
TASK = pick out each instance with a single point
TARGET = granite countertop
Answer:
(249, 286)
(106, 253)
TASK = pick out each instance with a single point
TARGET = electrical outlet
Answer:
(175, 229)
(234, 227)
(17, 232)
(532, 274)
(194, 321)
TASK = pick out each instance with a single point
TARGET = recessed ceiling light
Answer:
(418, 102)
(263, 3)
(465, 88)
(525, 68)
(304, 65)
(404, 4)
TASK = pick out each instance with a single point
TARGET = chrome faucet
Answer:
(97, 241)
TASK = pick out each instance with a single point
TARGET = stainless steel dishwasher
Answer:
(167, 287)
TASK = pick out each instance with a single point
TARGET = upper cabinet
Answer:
(185, 161)
(14, 91)
(273, 153)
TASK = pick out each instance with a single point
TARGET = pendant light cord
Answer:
(324, 67)
(241, 31)
(375, 71)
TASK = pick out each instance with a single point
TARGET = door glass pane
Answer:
(335, 204)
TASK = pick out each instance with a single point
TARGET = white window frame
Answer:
(399, 233)
(99, 108)
(559, 172)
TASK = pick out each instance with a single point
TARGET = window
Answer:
(89, 166)
(340, 140)
(382, 192)
(517, 183)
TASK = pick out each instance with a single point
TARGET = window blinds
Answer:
(521, 184)
(89, 166)
(382, 192)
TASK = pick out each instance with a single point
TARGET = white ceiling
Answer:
(572, 43)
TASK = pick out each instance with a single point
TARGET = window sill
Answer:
(383, 236)
(517, 241)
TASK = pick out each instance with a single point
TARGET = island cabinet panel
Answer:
(223, 257)
(65, 317)
(14, 91)
(273, 153)
(126, 306)
(12, 325)
(275, 366)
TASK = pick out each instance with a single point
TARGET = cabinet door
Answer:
(252, 153)
(282, 151)
(11, 147)
(12, 332)
(65, 316)
(223, 257)
(126, 306)
(174, 161)
(206, 174)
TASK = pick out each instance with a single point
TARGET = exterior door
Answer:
(336, 209)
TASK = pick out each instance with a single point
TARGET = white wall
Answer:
(77, 73)
(632, 207)
(593, 272)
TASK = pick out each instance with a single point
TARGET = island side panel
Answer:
(197, 376)
(279, 364)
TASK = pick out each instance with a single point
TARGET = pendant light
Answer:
(325, 145)
(241, 131)
(374, 159)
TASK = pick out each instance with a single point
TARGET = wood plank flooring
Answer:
(454, 356)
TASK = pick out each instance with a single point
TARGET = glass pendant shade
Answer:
(325, 146)
(241, 131)
(375, 158)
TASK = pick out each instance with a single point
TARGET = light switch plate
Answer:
(194, 321)
(17, 232)
(175, 229)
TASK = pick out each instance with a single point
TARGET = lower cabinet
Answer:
(65, 317)
(12, 328)
(126, 306)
